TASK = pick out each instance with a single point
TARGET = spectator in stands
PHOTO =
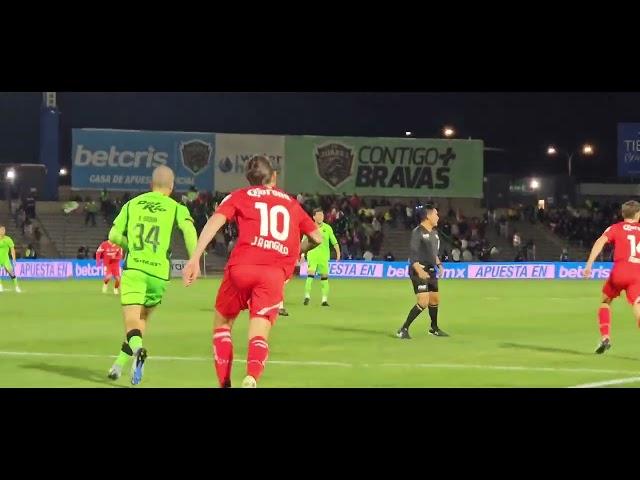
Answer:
(467, 256)
(90, 208)
(408, 219)
(389, 257)
(376, 225)
(368, 256)
(516, 241)
(37, 234)
(455, 254)
(82, 253)
(531, 250)
(30, 252)
(30, 204)
(28, 228)
(564, 256)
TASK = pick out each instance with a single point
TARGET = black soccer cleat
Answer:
(603, 346)
(283, 312)
(325, 304)
(403, 334)
(306, 301)
(436, 332)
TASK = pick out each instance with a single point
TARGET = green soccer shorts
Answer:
(139, 288)
(318, 265)
(6, 264)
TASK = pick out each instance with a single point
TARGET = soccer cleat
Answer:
(227, 384)
(325, 304)
(18, 290)
(403, 334)
(283, 312)
(116, 291)
(104, 288)
(437, 332)
(306, 301)
(1, 288)
(137, 369)
(249, 382)
(115, 372)
(605, 344)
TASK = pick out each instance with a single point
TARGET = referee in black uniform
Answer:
(423, 262)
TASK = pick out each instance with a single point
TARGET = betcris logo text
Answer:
(573, 270)
(150, 158)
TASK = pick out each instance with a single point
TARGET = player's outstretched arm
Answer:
(595, 251)
(192, 269)
(13, 254)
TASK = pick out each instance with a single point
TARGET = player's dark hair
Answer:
(316, 210)
(630, 209)
(259, 170)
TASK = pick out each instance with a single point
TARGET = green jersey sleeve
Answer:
(10, 243)
(332, 238)
(185, 224)
(118, 232)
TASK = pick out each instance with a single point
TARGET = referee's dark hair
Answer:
(424, 210)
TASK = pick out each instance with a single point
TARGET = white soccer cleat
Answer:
(116, 291)
(104, 288)
(115, 372)
(1, 288)
(249, 382)
(18, 290)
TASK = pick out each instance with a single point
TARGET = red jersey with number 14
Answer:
(625, 238)
(270, 224)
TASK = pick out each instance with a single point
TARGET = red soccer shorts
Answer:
(258, 288)
(623, 277)
(112, 269)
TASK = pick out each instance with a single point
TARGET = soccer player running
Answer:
(625, 275)
(110, 254)
(318, 259)
(7, 246)
(143, 228)
(424, 259)
(270, 224)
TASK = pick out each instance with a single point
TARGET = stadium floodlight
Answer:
(63, 172)
(535, 184)
(11, 174)
(407, 133)
(587, 149)
(551, 150)
(448, 132)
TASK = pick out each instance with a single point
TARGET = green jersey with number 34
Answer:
(147, 222)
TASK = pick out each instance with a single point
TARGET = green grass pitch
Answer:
(503, 334)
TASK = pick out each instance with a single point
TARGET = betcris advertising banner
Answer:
(629, 149)
(471, 271)
(65, 269)
(125, 159)
(385, 166)
(234, 150)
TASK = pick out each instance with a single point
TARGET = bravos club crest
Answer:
(196, 155)
(334, 162)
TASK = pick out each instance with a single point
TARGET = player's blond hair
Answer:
(630, 209)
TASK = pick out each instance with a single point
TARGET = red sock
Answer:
(117, 282)
(604, 318)
(257, 356)
(223, 355)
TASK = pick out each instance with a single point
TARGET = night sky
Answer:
(522, 123)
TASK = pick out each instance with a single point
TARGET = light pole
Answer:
(587, 149)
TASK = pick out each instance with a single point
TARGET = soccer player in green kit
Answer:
(6, 246)
(143, 229)
(318, 259)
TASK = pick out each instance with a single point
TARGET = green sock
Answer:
(135, 343)
(307, 287)
(124, 355)
(325, 289)
(15, 282)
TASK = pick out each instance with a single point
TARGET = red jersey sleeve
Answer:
(100, 253)
(307, 225)
(611, 232)
(229, 206)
